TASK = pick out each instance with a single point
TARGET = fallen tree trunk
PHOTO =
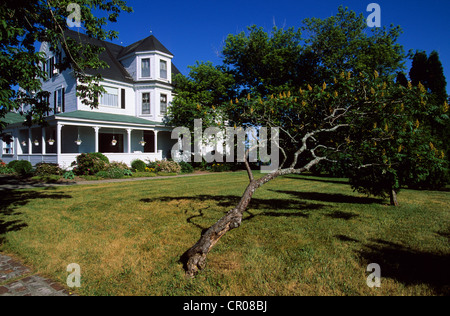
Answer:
(196, 256)
(194, 259)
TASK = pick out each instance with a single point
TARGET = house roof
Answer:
(148, 44)
(13, 118)
(107, 117)
(112, 53)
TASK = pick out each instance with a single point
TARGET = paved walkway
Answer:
(18, 280)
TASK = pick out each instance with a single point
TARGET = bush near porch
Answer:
(90, 164)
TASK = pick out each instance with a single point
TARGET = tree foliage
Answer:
(23, 23)
(309, 80)
(334, 97)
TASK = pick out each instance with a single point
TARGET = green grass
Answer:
(300, 236)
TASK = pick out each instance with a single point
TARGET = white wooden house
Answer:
(127, 125)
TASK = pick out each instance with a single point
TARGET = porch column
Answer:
(129, 130)
(16, 144)
(156, 141)
(96, 129)
(44, 149)
(30, 144)
(58, 139)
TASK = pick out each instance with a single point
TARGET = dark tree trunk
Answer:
(393, 197)
(194, 259)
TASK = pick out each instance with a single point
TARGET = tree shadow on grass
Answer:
(11, 200)
(269, 207)
(318, 178)
(409, 266)
(331, 197)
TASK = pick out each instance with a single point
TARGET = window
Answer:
(8, 145)
(123, 97)
(146, 103)
(110, 97)
(59, 101)
(163, 104)
(163, 69)
(49, 66)
(145, 68)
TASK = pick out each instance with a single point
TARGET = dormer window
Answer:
(145, 68)
(49, 66)
(163, 69)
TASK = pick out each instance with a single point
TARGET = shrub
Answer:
(114, 173)
(69, 175)
(101, 156)
(89, 164)
(23, 167)
(11, 164)
(138, 165)
(166, 166)
(44, 169)
(186, 167)
(119, 165)
(4, 169)
(7, 170)
(220, 167)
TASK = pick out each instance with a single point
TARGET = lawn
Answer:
(301, 236)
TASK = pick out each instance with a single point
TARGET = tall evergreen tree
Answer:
(436, 79)
(418, 72)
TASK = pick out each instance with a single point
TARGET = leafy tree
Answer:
(200, 94)
(322, 123)
(428, 71)
(262, 62)
(270, 62)
(352, 108)
(25, 22)
(342, 43)
(399, 149)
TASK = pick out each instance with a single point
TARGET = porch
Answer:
(62, 143)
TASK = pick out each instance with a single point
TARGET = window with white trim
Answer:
(49, 66)
(59, 101)
(8, 145)
(163, 69)
(110, 97)
(163, 104)
(146, 104)
(145, 68)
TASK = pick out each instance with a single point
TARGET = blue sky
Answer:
(196, 30)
